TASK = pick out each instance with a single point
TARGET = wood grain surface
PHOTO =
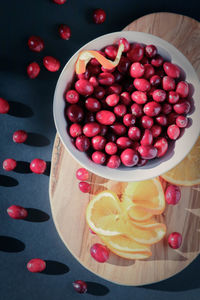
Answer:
(68, 204)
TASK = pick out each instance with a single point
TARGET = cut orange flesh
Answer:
(131, 255)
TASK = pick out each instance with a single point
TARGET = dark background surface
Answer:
(31, 110)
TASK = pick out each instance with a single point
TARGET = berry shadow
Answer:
(36, 215)
(10, 244)
(96, 289)
(8, 181)
(22, 167)
(55, 268)
(48, 169)
(37, 140)
(20, 110)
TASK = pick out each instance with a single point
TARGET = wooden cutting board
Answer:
(68, 203)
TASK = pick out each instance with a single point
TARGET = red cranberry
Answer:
(147, 152)
(111, 148)
(118, 129)
(146, 122)
(111, 51)
(156, 130)
(166, 108)
(51, 63)
(35, 43)
(129, 120)
(99, 252)
(9, 164)
(136, 52)
(75, 130)
(181, 121)
(142, 162)
(182, 107)
(124, 142)
(98, 142)
(171, 118)
(161, 120)
(114, 89)
(105, 117)
(173, 97)
(82, 143)
(4, 106)
(120, 110)
(91, 129)
(84, 187)
(98, 157)
(92, 104)
(38, 166)
(159, 95)
(129, 157)
(152, 109)
(72, 96)
(94, 82)
(137, 70)
(182, 89)
(17, 212)
(59, 1)
(125, 43)
(172, 194)
(85, 75)
(106, 78)
(155, 80)
(157, 61)
(125, 98)
(173, 132)
(99, 16)
(175, 240)
(84, 87)
(150, 51)
(36, 265)
(136, 145)
(104, 130)
(168, 83)
(136, 110)
(75, 113)
(150, 93)
(93, 70)
(134, 133)
(123, 65)
(141, 84)
(147, 138)
(149, 71)
(161, 145)
(144, 60)
(113, 162)
(139, 97)
(99, 92)
(107, 70)
(171, 70)
(112, 99)
(20, 136)
(64, 32)
(82, 174)
(33, 70)
(80, 286)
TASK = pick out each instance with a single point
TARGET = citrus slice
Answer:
(131, 255)
(86, 55)
(187, 172)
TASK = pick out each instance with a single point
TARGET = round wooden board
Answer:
(68, 204)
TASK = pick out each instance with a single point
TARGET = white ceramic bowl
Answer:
(175, 152)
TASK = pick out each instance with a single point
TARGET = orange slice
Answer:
(86, 55)
(131, 255)
(187, 172)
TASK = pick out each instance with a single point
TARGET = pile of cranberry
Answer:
(128, 114)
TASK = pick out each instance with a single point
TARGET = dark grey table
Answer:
(31, 109)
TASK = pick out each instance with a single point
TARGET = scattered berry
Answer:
(36, 265)
(82, 174)
(38, 166)
(84, 187)
(20, 136)
(35, 43)
(64, 32)
(33, 70)
(51, 63)
(99, 252)
(4, 106)
(172, 194)
(175, 240)
(17, 212)
(80, 286)
(99, 16)
(9, 164)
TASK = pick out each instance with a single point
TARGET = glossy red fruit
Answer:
(82, 143)
(98, 157)
(85, 75)
(150, 93)
(124, 142)
(92, 104)
(139, 97)
(75, 113)
(159, 95)
(36, 265)
(147, 152)
(182, 107)
(172, 194)
(82, 174)
(105, 117)
(111, 51)
(125, 98)
(72, 96)
(124, 65)
(118, 129)
(106, 78)
(145, 60)
(156, 130)
(142, 162)
(9, 164)
(182, 89)
(149, 71)
(98, 142)
(80, 286)
(20, 136)
(166, 108)
(111, 148)
(114, 89)
(4, 106)
(182, 121)
(136, 52)
(84, 87)
(134, 133)
(173, 97)
(161, 145)
(129, 120)
(99, 92)
(51, 63)
(129, 157)
(168, 83)
(33, 70)
(99, 16)
(99, 252)
(161, 120)
(93, 80)
(75, 130)
(136, 110)
(120, 110)
(17, 212)
(137, 70)
(91, 129)
(147, 138)
(93, 70)
(113, 162)
(125, 43)
(157, 61)
(175, 240)
(35, 43)
(173, 132)
(142, 84)
(171, 70)
(152, 109)
(38, 166)
(64, 32)
(155, 80)
(150, 51)
(112, 99)
(59, 1)
(84, 187)
(146, 122)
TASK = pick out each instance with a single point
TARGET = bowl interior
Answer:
(176, 152)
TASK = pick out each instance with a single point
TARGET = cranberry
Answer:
(152, 109)
(20, 136)
(150, 51)
(125, 98)
(159, 95)
(146, 122)
(161, 120)
(92, 104)
(155, 80)
(118, 129)
(75, 130)
(139, 97)
(173, 132)
(111, 51)
(82, 143)
(85, 75)
(84, 187)
(94, 82)
(112, 99)
(9, 164)
(113, 162)
(82, 174)
(181, 121)
(171, 70)
(157, 61)
(64, 32)
(175, 240)
(104, 130)
(147, 138)
(120, 110)
(91, 129)
(171, 118)
(99, 16)
(166, 108)
(98, 157)
(137, 70)
(33, 70)
(147, 152)
(59, 1)
(99, 92)
(149, 71)
(51, 63)
(80, 286)
(182, 89)
(129, 157)
(107, 70)
(156, 130)
(98, 142)
(124, 64)
(75, 113)
(141, 84)
(136, 145)
(35, 43)
(125, 43)
(99, 252)
(93, 70)
(173, 97)
(38, 166)
(4, 106)
(114, 89)
(124, 142)
(136, 110)
(172, 194)
(118, 76)
(161, 145)
(17, 212)
(90, 117)
(136, 52)
(134, 133)
(111, 148)
(168, 83)
(144, 60)
(72, 96)
(142, 162)
(36, 265)
(106, 78)
(150, 93)
(84, 87)
(129, 120)
(182, 107)
(105, 117)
